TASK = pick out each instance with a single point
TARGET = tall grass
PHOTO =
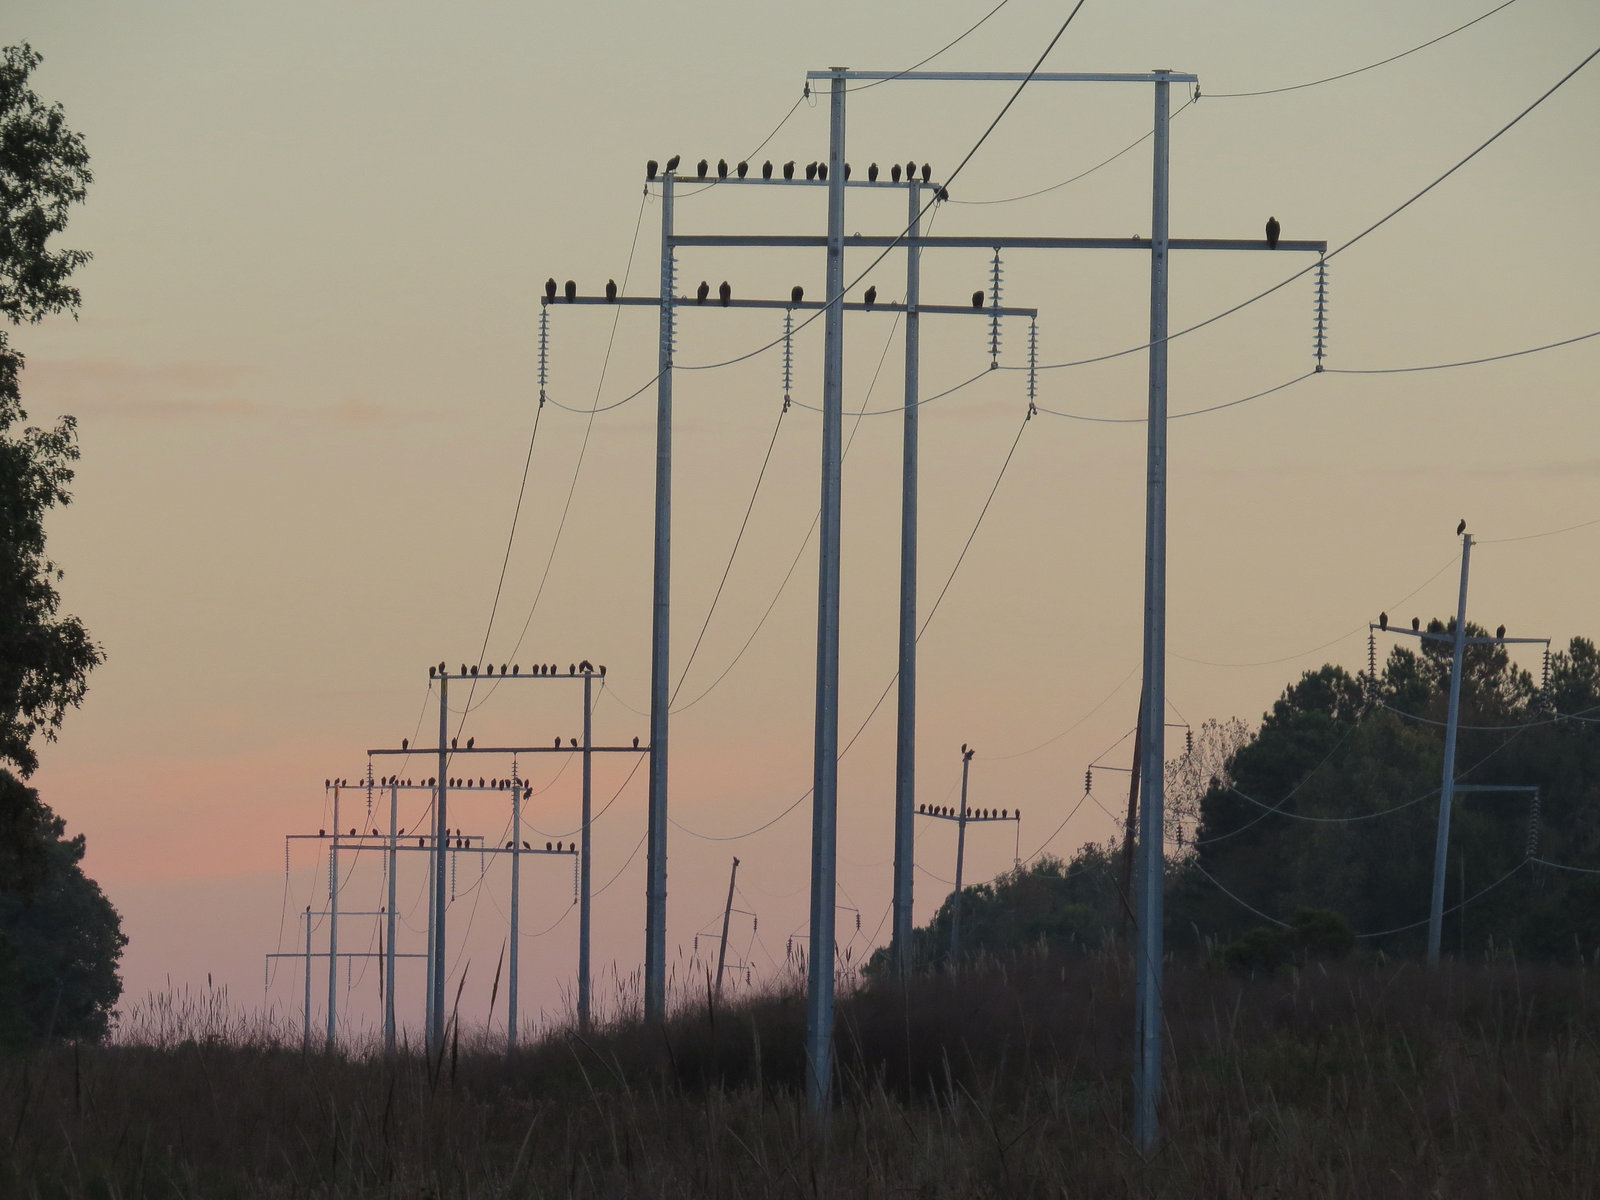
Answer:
(1000, 1079)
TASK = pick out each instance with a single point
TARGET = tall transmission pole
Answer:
(961, 857)
(727, 916)
(1448, 782)
(441, 836)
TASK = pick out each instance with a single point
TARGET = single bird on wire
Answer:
(470, 742)
(977, 299)
(1416, 624)
(822, 171)
(550, 288)
(811, 170)
(927, 172)
(611, 295)
(1462, 527)
(911, 172)
(701, 292)
(672, 163)
(725, 292)
(894, 172)
(405, 743)
(1501, 632)
(796, 294)
(788, 169)
(766, 169)
(872, 172)
(872, 295)
(744, 169)
(572, 291)
(722, 168)
(702, 167)
(1272, 233)
(650, 169)
(635, 743)
(1383, 620)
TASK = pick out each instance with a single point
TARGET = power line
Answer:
(924, 62)
(1383, 220)
(1295, 87)
(1527, 537)
(1466, 362)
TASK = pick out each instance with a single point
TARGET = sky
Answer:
(306, 373)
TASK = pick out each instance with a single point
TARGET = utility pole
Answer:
(441, 834)
(388, 966)
(961, 855)
(655, 914)
(333, 921)
(305, 1044)
(905, 763)
(1448, 782)
(727, 915)
(825, 769)
(516, 907)
(583, 857)
(1131, 825)
(1147, 956)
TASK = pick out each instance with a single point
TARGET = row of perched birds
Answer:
(581, 668)
(973, 814)
(1434, 626)
(813, 170)
(701, 295)
(463, 842)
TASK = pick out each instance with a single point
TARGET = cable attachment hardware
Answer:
(788, 355)
(669, 304)
(1372, 666)
(996, 271)
(1033, 366)
(1533, 825)
(1319, 327)
(544, 349)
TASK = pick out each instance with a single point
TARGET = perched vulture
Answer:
(1462, 527)
(894, 172)
(788, 169)
(872, 294)
(572, 291)
(549, 290)
(977, 299)
(1272, 233)
(927, 172)
(811, 170)
(672, 163)
(766, 169)
(702, 167)
(796, 294)
(744, 169)
(650, 169)
(611, 294)
(1501, 632)
(701, 292)
(725, 292)
(1383, 620)
(1416, 625)
(872, 173)
(722, 168)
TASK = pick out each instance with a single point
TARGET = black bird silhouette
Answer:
(788, 169)
(550, 288)
(602, 670)
(941, 193)
(927, 172)
(872, 172)
(1002, 814)
(1501, 632)
(725, 292)
(702, 167)
(474, 668)
(611, 294)
(525, 846)
(572, 291)
(635, 743)
(911, 171)
(811, 170)
(822, 170)
(511, 845)
(796, 294)
(574, 742)
(405, 743)
(452, 743)
(502, 668)
(352, 831)
(490, 669)
(766, 169)
(847, 170)
(1272, 233)
(977, 299)
(650, 169)
(872, 294)
(1462, 527)
(322, 833)
(572, 668)
(470, 741)
(744, 169)
(1416, 625)
(558, 743)
(547, 846)
(463, 668)
(722, 168)
(672, 163)
(422, 841)
(894, 172)
(441, 668)
(375, 833)
(586, 667)
(516, 668)
(701, 292)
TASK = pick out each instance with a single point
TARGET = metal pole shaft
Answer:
(427, 963)
(905, 763)
(727, 915)
(1447, 785)
(825, 767)
(388, 966)
(333, 922)
(655, 922)
(306, 1044)
(961, 856)
(584, 926)
(516, 909)
(441, 839)
(1153, 713)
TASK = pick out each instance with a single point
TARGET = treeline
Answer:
(1324, 819)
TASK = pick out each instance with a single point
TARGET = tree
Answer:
(59, 945)
(60, 939)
